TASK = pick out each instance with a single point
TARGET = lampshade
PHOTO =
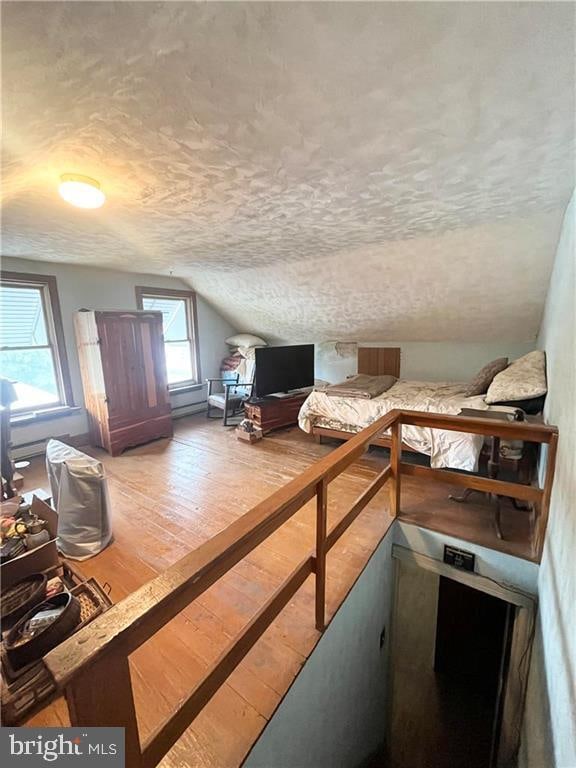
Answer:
(81, 191)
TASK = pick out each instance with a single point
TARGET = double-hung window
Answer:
(179, 327)
(32, 352)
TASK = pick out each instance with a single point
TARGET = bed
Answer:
(323, 414)
(517, 388)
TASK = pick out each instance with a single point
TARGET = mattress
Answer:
(457, 450)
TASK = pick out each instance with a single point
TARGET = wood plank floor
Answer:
(172, 495)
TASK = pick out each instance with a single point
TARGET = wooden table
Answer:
(495, 461)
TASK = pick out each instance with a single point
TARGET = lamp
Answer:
(81, 191)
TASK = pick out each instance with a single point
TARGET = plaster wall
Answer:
(549, 737)
(333, 716)
(505, 569)
(425, 361)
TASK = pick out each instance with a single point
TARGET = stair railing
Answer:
(92, 668)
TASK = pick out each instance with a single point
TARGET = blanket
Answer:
(362, 386)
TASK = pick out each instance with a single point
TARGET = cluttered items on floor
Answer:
(44, 600)
(28, 539)
(22, 531)
(248, 431)
(41, 629)
(38, 612)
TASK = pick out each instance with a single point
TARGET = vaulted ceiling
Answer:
(316, 170)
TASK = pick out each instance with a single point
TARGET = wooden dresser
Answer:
(275, 412)
(123, 371)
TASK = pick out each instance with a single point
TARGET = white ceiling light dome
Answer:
(81, 191)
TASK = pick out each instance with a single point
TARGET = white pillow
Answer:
(524, 379)
(245, 340)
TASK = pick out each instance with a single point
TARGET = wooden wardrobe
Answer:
(124, 377)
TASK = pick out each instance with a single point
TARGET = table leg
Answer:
(493, 470)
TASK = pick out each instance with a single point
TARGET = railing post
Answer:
(321, 517)
(542, 518)
(102, 695)
(395, 459)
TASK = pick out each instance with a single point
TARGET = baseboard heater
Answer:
(34, 448)
(38, 447)
(179, 411)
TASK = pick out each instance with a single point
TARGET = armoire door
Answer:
(134, 366)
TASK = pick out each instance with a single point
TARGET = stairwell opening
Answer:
(457, 668)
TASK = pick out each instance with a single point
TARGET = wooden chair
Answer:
(231, 400)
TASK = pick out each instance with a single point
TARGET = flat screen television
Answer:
(281, 369)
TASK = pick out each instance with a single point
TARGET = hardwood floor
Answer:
(172, 495)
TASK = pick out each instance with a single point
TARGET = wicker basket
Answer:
(25, 689)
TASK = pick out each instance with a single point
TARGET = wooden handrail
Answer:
(141, 614)
(164, 737)
(106, 643)
(511, 430)
(486, 484)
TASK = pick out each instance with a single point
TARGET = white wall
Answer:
(429, 360)
(334, 714)
(503, 568)
(549, 737)
(91, 288)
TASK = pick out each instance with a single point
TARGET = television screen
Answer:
(280, 369)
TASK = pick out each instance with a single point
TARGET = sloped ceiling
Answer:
(316, 170)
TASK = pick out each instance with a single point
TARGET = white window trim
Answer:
(56, 342)
(146, 292)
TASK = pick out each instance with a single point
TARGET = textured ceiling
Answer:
(317, 170)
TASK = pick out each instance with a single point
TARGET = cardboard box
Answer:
(40, 493)
(249, 437)
(40, 559)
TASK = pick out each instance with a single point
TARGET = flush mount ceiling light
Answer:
(81, 191)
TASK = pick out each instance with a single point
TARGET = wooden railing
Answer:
(83, 664)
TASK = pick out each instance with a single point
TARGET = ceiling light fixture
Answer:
(81, 191)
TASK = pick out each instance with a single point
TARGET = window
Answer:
(179, 325)
(32, 352)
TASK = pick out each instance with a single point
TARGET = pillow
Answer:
(245, 340)
(524, 379)
(480, 383)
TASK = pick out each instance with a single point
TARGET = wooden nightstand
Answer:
(275, 412)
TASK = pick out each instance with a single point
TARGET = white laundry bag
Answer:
(80, 496)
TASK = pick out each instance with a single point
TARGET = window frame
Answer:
(55, 333)
(145, 292)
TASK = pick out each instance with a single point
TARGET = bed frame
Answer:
(336, 434)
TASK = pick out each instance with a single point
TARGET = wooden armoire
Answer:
(123, 370)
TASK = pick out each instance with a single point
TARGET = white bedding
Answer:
(458, 450)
